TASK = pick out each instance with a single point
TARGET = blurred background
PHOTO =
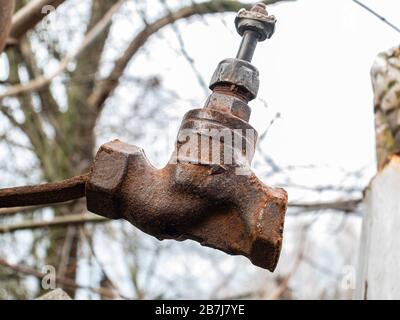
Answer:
(149, 65)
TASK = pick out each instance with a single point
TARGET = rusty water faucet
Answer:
(207, 191)
(197, 195)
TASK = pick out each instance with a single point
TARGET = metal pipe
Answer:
(248, 45)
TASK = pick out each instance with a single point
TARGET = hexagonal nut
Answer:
(238, 72)
(268, 230)
(106, 177)
(225, 102)
(263, 24)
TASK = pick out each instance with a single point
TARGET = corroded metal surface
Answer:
(256, 19)
(239, 73)
(215, 200)
(209, 203)
(46, 193)
(207, 192)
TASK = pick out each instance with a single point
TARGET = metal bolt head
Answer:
(260, 8)
(106, 177)
(228, 103)
(238, 72)
(256, 19)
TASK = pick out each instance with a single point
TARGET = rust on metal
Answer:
(207, 191)
(208, 203)
(46, 193)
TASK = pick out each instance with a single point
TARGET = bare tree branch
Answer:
(107, 87)
(5, 212)
(64, 281)
(6, 112)
(284, 285)
(106, 277)
(184, 52)
(344, 206)
(62, 221)
(44, 80)
(6, 10)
